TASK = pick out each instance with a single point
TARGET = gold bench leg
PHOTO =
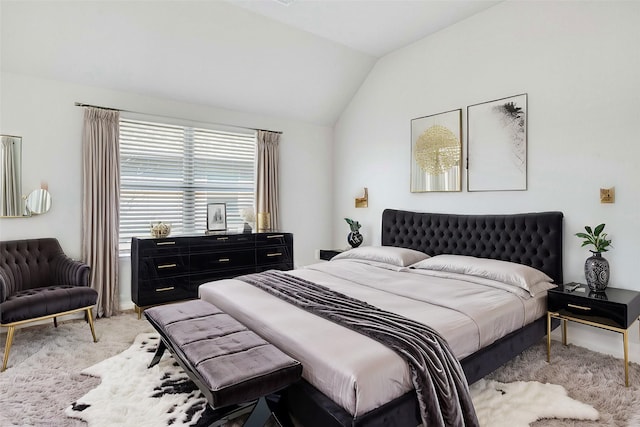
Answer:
(90, 319)
(7, 347)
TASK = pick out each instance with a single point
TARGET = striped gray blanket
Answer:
(440, 384)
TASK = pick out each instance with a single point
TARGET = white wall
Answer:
(579, 62)
(43, 113)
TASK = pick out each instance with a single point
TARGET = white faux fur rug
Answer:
(520, 403)
(131, 394)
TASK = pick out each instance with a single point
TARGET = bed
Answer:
(349, 379)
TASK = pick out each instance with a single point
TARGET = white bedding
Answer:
(354, 371)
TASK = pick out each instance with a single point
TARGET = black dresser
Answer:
(172, 268)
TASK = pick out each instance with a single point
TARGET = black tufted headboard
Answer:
(533, 239)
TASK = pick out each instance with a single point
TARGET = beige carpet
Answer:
(43, 376)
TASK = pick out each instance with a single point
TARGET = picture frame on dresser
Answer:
(216, 217)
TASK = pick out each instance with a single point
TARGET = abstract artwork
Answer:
(436, 152)
(497, 145)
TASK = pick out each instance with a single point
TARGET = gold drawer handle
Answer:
(275, 254)
(579, 307)
(223, 260)
(222, 238)
(167, 266)
(169, 288)
(165, 243)
(274, 236)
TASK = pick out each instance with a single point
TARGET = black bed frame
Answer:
(533, 239)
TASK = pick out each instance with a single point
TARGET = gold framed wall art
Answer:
(436, 152)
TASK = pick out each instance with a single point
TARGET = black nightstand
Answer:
(327, 254)
(613, 310)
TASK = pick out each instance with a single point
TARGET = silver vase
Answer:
(596, 271)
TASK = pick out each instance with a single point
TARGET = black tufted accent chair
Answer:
(37, 282)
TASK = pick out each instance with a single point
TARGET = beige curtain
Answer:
(267, 176)
(101, 204)
(10, 176)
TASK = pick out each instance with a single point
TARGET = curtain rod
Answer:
(81, 104)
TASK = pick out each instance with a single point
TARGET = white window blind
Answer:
(170, 173)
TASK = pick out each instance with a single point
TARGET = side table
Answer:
(327, 254)
(614, 310)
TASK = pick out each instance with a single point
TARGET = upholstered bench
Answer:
(231, 365)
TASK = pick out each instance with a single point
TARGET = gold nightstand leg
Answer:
(548, 337)
(564, 332)
(625, 339)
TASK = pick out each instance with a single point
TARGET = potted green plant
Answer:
(596, 268)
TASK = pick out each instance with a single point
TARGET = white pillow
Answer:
(522, 276)
(401, 257)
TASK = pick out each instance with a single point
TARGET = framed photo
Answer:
(497, 145)
(216, 217)
(436, 152)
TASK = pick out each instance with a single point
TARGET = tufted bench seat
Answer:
(37, 282)
(231, 365)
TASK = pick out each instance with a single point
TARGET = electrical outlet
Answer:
(608, 195)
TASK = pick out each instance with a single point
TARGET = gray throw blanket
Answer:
(441, 387)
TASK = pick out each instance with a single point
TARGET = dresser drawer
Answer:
(163, 266)
(220, 242)
(164, 290)
(273, 255)
(267, 239)
(159, 247)
(222, 260)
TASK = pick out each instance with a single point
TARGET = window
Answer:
(170, 173)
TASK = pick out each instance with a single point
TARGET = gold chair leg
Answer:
(7, 347)
(90, 318)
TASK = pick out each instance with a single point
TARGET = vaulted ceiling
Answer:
(302, 61)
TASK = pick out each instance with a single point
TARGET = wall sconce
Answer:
(363, 202)
(608, 195)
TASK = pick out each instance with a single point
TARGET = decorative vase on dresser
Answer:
(596, 272)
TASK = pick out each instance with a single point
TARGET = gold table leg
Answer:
(564, 332)
(548, 337)
(625, 340)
